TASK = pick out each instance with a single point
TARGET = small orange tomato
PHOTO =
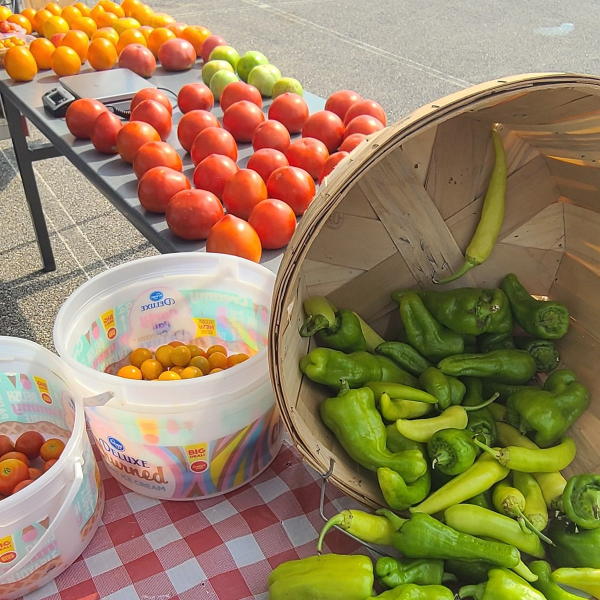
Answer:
(12, 472)
(163, 356)
(216, 348)
(191, 373)
(21, 485)
(151, 369)
(29, 443)
(217, 360)
(195, 351)
(34, 473)
(129, 372)
(177, 369)
(236, 359)
(15, 456)
(138, 356)
(181, 356)
(169, 376)
(49, 463)
(216, 370)
(201, 362)
(52, 449)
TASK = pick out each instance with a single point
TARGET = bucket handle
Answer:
(58, 519)
(99, 400)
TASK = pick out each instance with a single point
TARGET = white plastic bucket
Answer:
(185, 439)
(48, 524)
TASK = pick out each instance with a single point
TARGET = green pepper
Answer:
(479, 478)
(481, 422)
(359, 429)
(397, 493)
(544, 319)
(452, 450)
(396, 442)
(503, 389)
(573, 547)
(545, 585)
(327, 366)
(320, 315)
(484, 500)
(505, 366)
(393, 572)
(551, 411)
(470, 343)
(432, 339)
(535, 507)
(581, 500)
(469, 572)
(544, 352)
(410, 591)
(405, 356)
(398, 390)
(393, 409)
(326, 577)
(447, 390)
(482, 522)
(585, 579)
(495, 341)
(501, 585)
(463, 310)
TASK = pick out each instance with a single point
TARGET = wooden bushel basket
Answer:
(403, 209)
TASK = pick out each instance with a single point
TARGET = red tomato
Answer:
(290, 110)
(241, 120)
(339, 102)
(213, 173)
(237, 91)
(325, 126)
(271, 134)
(274, 221)
(14, 471)
(177, 55)
(243, 192)
(21, 485)
(195, 96)
(210, 43)
(331, 163)
(132, 136)
(366, 107)
(6, 445)
(158, 186)
(308, 154)
(363, 124)
(151, 94)
(156, 114)
(352, 141)
(104, 132)
(192, 123)
(81, 115)
(232, 235)
(156, 154)
(213, 140)
(292, 185)
(191, 214)
(266, 160)
(29, 443)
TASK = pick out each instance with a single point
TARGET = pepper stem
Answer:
(472, 591)
(467, 266)
(483, 404)
(530, 527)
(441, 458)
(495, 453)
(340, 519)
(313, 324)
(397, 521)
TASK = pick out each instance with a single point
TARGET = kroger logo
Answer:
(156, 296)
(116, 444)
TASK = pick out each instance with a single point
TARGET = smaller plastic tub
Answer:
(48, 524)
(184, 439)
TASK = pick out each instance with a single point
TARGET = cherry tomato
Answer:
(52, 449)
(34, 473)
(365, 107)
(266, 160)
(290, 110)
(217, 360)
(16, 456)
(156, 114)
(175, 344)
(6, 445)
(169, 376)
(200, 362)
(238, 91)
(242, 118)
(29, 443)
(132, 136)
(331, 163)
(191, 214)
(163, 355)
(81, 115)
(213, 140)
(129, 372)
(292, 185)
(195, 96)
(104, 132)
(352, 141)
(243, 192)
(308, 154)
(274, 221)
(191, 373)
(181, 355)
(325, 126)
(213, 173)
(12, 472)
(48, 464)
(271, 134)
(158, 186)
(339, 102)
(138, 356)
(151, 94)
(363, 124)
(192, 123)
(236, 359)
(151, 369)
(232, 235)
(21, 485)
(155, 154)
(194, 350)
(216, 348)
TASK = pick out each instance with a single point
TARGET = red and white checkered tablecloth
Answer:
(223, 547)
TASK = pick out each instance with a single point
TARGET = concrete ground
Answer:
(401, 53)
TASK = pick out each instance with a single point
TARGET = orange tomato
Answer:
(216, 348)
(54, 8)
(195, 351)
(29, 14)
(181, 356)
(108, 33)
(5, 12)
(151, 369)
(112, 7)
(6, 445)
(22, 21)
(52, 449)
(161, 20)
(55, 25)
(217, 360)
(39, 20)
(177, 28)
(29, 443)
(49, 463)
(191, 373)
(65, 61)
(106, 19)
(70, 13)
(21, 485)
(79, 41)
(174, 344)
(129, 6)
(15, 456)
(20, 64)
(84, 9)
(177, 370)
(34, 473)
(158, 37)
(195, 35)
(86, 24)
(130, 36)
(96, 11)
(236, 359)
(163, 356)
(138, 356)
(169, 376)
(142, 13)
(130, 372)
(125, 23)
(146, 30)
(42, 50)
(201, 362)
(215, 370)
(12, 472)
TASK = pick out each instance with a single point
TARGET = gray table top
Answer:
(113, 176)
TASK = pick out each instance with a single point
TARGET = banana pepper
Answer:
(545, 585)
(585, 579)
(501, 585)
(410, 591)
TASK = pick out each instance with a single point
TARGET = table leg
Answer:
(25, 164)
